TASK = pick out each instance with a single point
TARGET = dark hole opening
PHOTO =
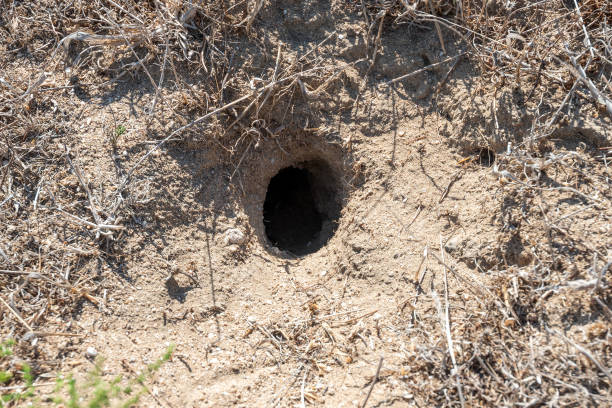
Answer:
(300, 209)
(486, 157)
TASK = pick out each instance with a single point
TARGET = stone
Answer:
(452, 244)
(234, 236)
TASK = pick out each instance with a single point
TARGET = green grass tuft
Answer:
(95, 392)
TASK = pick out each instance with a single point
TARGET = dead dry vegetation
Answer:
(517, 315)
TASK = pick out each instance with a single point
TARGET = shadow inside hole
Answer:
(486, 157)
(301, 208)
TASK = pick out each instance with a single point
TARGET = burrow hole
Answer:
(302, 207)
(486, 157)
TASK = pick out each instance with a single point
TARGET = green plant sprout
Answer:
(94, 392)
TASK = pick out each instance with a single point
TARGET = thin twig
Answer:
(374, 381)
(10, 309)
(579, 73)
(454, 179)
(584, 351)
(92, 207)
(449, 338)
(418, 71)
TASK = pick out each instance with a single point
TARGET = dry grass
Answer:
(57, 225)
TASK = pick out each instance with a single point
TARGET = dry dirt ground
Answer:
(442, 253)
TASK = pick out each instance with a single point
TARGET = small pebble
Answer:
(452, 244)
(252, 319)
(234, 236)
(91, 352)
(233, 248)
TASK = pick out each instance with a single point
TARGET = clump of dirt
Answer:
(341, 203)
